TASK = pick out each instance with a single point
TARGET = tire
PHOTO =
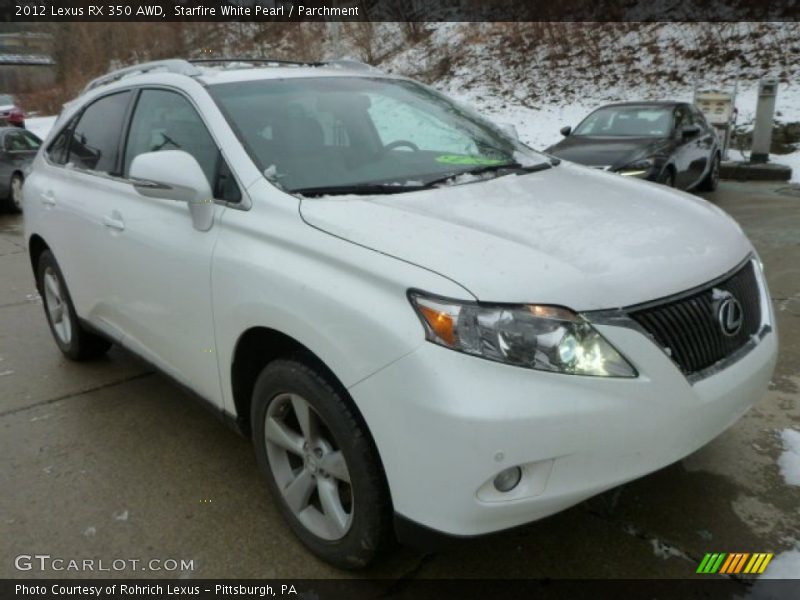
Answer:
(13, 202)
(331, 491)
(15, 193)
(711, 180)
(74, 341)
(667, 178)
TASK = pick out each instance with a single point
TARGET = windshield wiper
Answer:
(364, 189)
(400, 188)
(513, 167)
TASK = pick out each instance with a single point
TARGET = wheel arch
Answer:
(259, 346)
(254, 350)
(36, 245)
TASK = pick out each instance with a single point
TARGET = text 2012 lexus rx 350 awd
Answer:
(416, 318)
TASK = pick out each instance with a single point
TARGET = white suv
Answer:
(421, 323)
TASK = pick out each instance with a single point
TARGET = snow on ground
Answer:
(792, 160)
(539, 127)
(789, 461)
(40, 126)
(784, 566)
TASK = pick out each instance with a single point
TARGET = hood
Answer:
(7, 108)
(569, 236)
(605, 151)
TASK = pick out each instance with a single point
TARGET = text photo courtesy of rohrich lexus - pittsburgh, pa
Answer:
(347, 299)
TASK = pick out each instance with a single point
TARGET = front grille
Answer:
(689, 327)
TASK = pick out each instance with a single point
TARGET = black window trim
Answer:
(69, 127)
(116, 174)
(244, 204)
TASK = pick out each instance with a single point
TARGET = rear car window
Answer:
(21, 141)
(96, 138)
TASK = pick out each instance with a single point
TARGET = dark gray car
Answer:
(667, 142)
(17, 149)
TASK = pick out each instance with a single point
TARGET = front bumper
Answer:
(445, 424)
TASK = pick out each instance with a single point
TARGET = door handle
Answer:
(114, 222)
(48, 198)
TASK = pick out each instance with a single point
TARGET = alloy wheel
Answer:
(57, 310)
(308, 467)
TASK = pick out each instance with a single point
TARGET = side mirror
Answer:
(175, 175)
(509, 130)
(689, 131)
(566, 130)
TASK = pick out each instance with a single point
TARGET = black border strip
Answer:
(599, 11)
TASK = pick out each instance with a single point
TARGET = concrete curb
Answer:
(743, 171)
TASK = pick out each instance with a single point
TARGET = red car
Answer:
(10, 113)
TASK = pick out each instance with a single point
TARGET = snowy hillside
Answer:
(542, 76)
(511, 75)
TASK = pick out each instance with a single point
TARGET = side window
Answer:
(96, 138)
(13, 142)
(166, 120)
(57, 150)
(682, 118)
(30, 141)
(699, 117)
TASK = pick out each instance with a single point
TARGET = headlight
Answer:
(637, 169)
(547, 338)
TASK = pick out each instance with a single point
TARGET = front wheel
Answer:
(711, 180)
(74, 341)
(667, 178)
(321, 465)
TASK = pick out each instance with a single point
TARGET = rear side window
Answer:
(96, 138)
(165, 120)
(21, 141)
(699, 117)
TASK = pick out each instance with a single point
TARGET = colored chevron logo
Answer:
(735, 563)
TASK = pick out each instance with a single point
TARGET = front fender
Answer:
(347, 304)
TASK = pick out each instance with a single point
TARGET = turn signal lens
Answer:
(440, 323)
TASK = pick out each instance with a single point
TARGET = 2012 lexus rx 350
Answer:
(416, 318)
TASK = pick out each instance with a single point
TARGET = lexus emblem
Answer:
(730, 316)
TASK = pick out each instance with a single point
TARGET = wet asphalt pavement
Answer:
(110, 460)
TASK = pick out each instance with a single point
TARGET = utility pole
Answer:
(765, 114)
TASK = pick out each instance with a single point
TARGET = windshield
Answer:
(627, 121)
(338, 132)
(5, 99)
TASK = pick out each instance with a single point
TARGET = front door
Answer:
(162, 263)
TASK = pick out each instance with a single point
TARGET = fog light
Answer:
(507, 480)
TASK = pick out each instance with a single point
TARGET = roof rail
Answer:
(350, 63)
(172, 65)
(191, 67)
(344, 63)
(232, 62)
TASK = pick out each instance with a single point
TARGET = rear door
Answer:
(706, 143)
(685, 149)
(71, 194)
(161, 272)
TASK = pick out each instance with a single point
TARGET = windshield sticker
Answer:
(463, 159)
